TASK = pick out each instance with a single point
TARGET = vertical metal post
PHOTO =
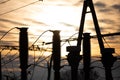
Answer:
(56, 54)
(23, 43)
(86, 55)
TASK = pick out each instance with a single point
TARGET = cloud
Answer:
(100, 4)
(67, 24)
(102, 7)
(74, 27)
(2, 26)
(10, 21)
(11, 43)
(109, 25)
(1, 31)
(36, 22)
(104, 10)
(116, 7)
(107, 21)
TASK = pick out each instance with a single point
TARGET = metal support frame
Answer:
(104, 51)
(86, 55)
(56, 54)
(89, 3)
(23, 43)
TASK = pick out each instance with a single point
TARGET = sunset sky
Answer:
(63, 15)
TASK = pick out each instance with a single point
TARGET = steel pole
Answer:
(56, 54)
(23, 43)
(86, 55)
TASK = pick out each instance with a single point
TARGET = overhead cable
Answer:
(19, 8)
(6, 33)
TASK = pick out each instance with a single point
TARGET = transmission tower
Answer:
(107, 58)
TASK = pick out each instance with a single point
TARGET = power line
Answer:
(7, 33)
(19, 8)
(6, 54)
(39, 37)
(4, 1)
(109, 45)
(69, 38)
